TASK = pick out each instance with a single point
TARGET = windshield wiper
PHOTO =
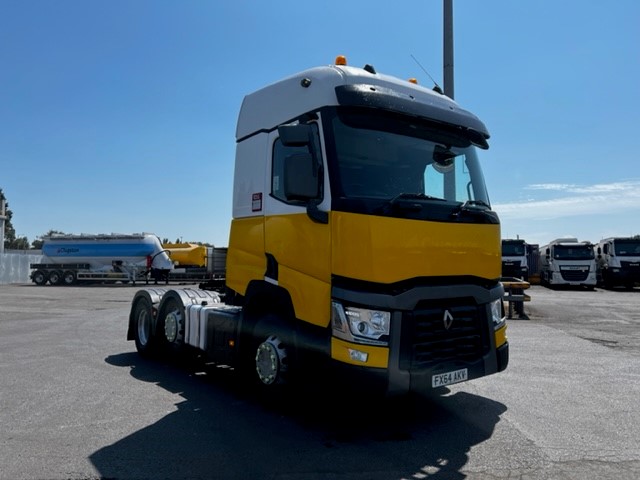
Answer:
(395, 201)
(413, 196)
(471, 207)
(471, 204)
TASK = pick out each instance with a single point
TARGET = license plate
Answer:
(448, 378)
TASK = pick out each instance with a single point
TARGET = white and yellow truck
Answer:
(362, 241)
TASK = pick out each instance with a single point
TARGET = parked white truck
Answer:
(514, 259)
(566, 261)
(618, 261)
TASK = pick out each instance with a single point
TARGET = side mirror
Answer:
(301, 180)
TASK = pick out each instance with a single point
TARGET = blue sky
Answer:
(119, 116)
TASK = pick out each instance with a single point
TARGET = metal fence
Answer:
(14, 265)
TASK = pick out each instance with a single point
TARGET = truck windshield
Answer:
(378, 157)
(578, 252)
(512, 250)
(627, 248)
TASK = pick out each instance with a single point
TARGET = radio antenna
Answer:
(437, 87)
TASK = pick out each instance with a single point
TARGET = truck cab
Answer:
(566, 261)
(618, 261)
(514, 259)
(362, 230)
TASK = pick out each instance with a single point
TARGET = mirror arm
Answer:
(317, 215)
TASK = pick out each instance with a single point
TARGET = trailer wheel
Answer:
(39, 277)
(143, 333)
(55, 277)
(69, 277)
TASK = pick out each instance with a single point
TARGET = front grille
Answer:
(633, 267)
(511, 269)
(431, 343)
(575, 275)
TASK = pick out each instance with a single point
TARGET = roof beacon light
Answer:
(341, 60)
(413, 80)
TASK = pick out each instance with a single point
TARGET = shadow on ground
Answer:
(221, 431)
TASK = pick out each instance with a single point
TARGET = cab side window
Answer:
(280, 152)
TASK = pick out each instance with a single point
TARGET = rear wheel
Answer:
(55, 277)
(171, 326)
(143, 331)
(39, 277)
(69, 277)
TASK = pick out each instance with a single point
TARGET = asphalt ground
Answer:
(77, 402)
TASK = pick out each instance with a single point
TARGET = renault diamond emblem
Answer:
(447, 319)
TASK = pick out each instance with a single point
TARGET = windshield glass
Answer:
(627, 248)
(577, 252)
(380, 156)
(512, 249)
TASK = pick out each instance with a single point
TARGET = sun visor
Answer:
(432, 107)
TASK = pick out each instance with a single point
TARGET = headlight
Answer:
(360, 325)
(497, 313)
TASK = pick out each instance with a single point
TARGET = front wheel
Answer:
(271, 361)
(271, 358)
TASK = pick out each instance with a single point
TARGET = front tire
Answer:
(272, 353)
(271, 362)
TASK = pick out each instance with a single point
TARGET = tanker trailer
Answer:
(68, 259)
(198, 263)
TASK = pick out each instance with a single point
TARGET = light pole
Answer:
(3, 217)
(447, 16)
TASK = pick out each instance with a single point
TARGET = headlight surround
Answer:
(497, 313)
(360, 325)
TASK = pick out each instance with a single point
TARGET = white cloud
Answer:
(595, 199)
(597, 188)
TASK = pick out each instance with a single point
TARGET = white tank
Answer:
(102, 251)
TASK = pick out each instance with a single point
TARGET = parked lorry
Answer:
(514, 259)
(566, 261)
(361, 242)
(197, 263)
(68, 259)
(618, 261)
